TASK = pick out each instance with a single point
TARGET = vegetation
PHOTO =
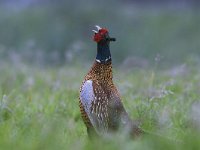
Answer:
(56, 33)
(46, 49)
(39, 108)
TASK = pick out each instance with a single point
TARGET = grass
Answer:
(49, 33)
(39, 108)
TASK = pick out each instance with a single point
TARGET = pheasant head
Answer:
(102, 38)
(102, 35)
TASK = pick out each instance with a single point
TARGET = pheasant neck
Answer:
(103, 53)
(101, 72)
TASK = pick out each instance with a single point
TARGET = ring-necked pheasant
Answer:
(100, 103)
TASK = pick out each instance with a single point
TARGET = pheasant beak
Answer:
(111, 39)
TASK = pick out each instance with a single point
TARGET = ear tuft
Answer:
(99, 34)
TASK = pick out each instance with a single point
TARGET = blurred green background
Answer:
(59, 32)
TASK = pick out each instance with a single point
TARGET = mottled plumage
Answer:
(100, 103)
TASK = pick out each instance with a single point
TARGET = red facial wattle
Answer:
(100, 35)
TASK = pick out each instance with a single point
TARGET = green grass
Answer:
(39, 108)
(49, 33)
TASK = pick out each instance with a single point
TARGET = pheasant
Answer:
(100, 103)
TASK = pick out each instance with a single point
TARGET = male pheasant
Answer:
(100, 103)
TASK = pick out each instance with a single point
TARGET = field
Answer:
(39, 107)
(46, 48)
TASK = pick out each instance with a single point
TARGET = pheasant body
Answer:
(100, 103)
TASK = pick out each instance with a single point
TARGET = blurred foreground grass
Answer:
(39, 108)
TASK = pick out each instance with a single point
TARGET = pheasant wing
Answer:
(94, 101)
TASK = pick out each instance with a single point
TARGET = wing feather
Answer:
(91, 102)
